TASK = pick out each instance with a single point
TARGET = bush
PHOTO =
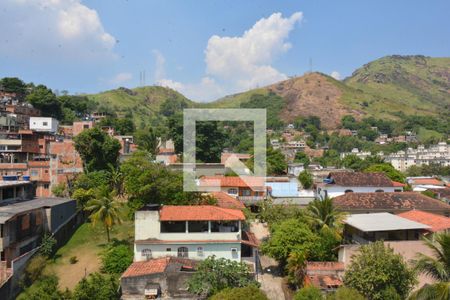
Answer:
(308, 293)
(47, 245)
(250, 292)
(73, 260)
(60, 190)
(98, 287)
(33, 271)
(46, 288)
(345, 293)
(306, 179)
(116, 259)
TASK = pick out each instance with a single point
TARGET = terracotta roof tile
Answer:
(360, 179)
(255, 183)
(226, 201)
(155, 266)
(389, 201)
(199, 213)
(325, 281)
(324, 266)
(398, 184)
(436, 222)
(426, 181)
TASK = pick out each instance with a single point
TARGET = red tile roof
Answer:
(398, 184)
(388, 202)
(324, 266)
(255, 183)
(155, 266)
(324, 282)
(199, 213)
(360, 179)
(436, 222)
(426, 181)
(226, 201)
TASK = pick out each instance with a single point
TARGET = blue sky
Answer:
(208, 49)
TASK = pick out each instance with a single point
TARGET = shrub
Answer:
(33, 271)
(46, 288)
(73, 260)
(60, 190)
(116, 259)
(47, 245)
(250, 292)
(98, 287)
(308, 293)
(345, 293)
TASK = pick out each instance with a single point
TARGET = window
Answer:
(232, 191)
(348, 191)
(234, 253)
(176, 226)
(147, 253)
(60, 171)
(200, 251)
(230, 226)
(379, 191)
(183, 252)
(46, 186)
(46, 171)
(41, 146)
(169, 249)
(44, 123)
(246, 192)
(85, 126)
(34, 173)
(198, 226)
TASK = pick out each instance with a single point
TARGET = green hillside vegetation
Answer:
(418, 83)
(143, 103)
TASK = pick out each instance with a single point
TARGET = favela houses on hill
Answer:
(224, 150)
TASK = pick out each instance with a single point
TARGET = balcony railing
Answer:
(251, 199)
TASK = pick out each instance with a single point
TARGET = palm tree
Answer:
(116, 177)
(105, 209)
(322, 213)
(436, 266)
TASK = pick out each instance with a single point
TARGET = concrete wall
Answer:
(334, 191)
(44, 124)
(146, 224)
(59, 214)
(209, 249)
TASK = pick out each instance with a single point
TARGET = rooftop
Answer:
(155, 266)
(324, 266)
(255, 183)
(360, 179)
(436, 222)
(8, 183)
(426, 181)
(382, 222)
(226, 201)
(10, 210)
(199, 213)
(389, 201)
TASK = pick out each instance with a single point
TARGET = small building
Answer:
(44, 124)
(363, 203)
(190, 232)
(164, 277)
(437, 223)
(326, 276)
(366, 228)
(226, 201)
(80, 126)
(294, 169)
(340, 183)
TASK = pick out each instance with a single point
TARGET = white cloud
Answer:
(336, 75)
(160, 61)
(49, 30)
(235, 64)
(121, 78)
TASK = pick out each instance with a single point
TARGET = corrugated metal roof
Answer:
(382, 222)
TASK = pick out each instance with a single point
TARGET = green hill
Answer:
(381, 88)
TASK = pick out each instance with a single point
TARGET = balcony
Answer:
(251, 199)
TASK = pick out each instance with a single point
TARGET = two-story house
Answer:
(340, 183)
(194, 232)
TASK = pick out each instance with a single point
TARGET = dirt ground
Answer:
(271, 279)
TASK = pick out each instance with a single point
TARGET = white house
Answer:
(44, 124)
(340, 183)
(194, 232)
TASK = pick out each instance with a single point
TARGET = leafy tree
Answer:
(105, 209)
(172, 105)
(48, 244)
(305, 179)
(296, 268)
(209, 141)
(301, 157)
(83, 197)
(60, 190)
(250, 292)
(13, 85)
(116, 179)
(436, 291)
(92, 180)
(276, 162)
(272, 214)
(388, 170)
(308, 293)
(214, 275)
(175, 132)
(116, 259)
(376, 268)
(289, 236)
(97, 286)
(97, 149)
(44, 99)
(147, 140)
(44, 289)
(345, 293)
(273, 104)
(146, 182)
(122, 126)
(322, 213)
